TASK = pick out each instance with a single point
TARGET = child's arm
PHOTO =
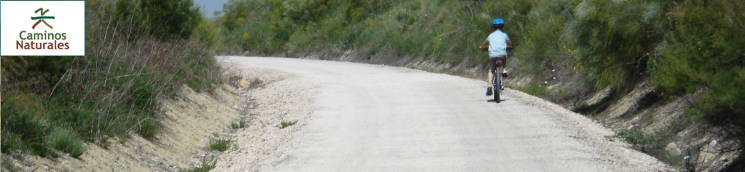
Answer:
(509, 44)
(483, 45)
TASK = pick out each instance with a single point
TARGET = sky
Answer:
(210, 6)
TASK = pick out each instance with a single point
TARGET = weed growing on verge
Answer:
(286, 124)
(239, 124)
(122, 140)
(220, 144)
(535, 90)
(205, 167)
(634, 136)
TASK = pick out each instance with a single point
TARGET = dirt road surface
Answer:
(380, 118)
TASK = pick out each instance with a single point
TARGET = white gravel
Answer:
(358, 117)
(278, 100)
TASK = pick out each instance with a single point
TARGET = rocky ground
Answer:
(282, 100)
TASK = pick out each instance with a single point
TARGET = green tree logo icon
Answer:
(41, 18)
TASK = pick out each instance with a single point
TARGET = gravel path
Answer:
(359, 117)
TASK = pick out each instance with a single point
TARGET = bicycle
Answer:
(497, 79)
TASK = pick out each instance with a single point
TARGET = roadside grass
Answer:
(535, 90)
(66, 141)
(238, 124)
(220, 144)
(634, 136)
(204, 167)
(122, 140)
(285, 124)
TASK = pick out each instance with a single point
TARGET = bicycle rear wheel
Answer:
(497, 85)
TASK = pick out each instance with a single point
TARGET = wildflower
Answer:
(545, 82)
(554, 78)
(553, 70)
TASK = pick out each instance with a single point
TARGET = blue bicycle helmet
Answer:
(498, 23)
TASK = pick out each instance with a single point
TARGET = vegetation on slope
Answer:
(54, 103)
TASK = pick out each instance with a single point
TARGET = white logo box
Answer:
(69, 18)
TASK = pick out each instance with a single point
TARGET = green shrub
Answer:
(285, 124)
(38, 148)
(614, 39)
(205, 167)
(143, 93)
(161, 18)
(634, 136)
(706, 53)
(210, 33)
(220, 144)
(23, 124)
(66, 141)
(148, 128)
(171, 17)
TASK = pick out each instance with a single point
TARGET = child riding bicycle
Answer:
(498, 42)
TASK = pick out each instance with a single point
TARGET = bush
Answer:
(205, 167)
(210, 33)
(23, 124)
(66, 141)
(614, 39)
(161, 18)
(285, 124)
(148, 128)
(220, 144)
(706, 53)
(634, 136)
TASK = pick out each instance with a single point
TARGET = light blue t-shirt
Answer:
(497, 43)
